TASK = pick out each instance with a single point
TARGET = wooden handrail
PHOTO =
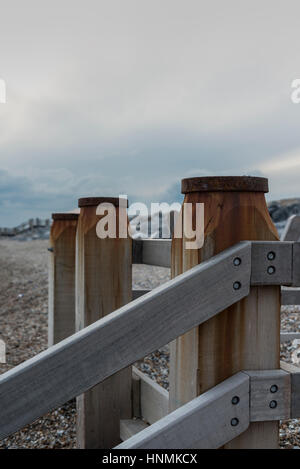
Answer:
(273, 262)
(208, 421)
(73, 366)
(289, 296)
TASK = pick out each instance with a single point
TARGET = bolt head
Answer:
(237, 261)
(235, 400)
(271, 269)
(234, 422)
(273, 404)
(237, 285)
(271, 255)
(273, 388)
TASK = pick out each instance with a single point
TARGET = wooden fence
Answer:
(101, 348)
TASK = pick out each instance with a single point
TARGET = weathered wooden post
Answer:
(61, 311)
(246, 335)
(103, 284)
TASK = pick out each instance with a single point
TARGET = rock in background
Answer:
(281, 210)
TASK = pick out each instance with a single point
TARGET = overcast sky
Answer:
(108, 97)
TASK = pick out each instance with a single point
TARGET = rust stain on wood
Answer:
(244, 336)
(59, 226)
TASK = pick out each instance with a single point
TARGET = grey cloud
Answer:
(130, 97)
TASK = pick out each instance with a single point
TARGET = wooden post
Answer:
(61, 311)
(246, 335)
(103, 284)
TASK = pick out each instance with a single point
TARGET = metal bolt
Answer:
(234, 422)
(237, 285)
(237, 261)
(271, 255)
(273, 388)
(271, 269)
(235, 400)
(273, 404)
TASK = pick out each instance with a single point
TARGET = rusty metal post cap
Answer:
(95, 201)
(224, 184)
(65, 216)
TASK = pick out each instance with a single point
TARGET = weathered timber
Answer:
(208, 421)
(245, 335)
(72, 367)
(103, 284)
(61, 298)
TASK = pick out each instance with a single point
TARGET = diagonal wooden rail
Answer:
(208, 421)
(220, 414)
(88, 357)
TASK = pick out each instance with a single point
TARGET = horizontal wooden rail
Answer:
(153, 399)
(129, 427)
(286, 336)
(271, 395)
(72, 367)
(150, 403)
(294, 372)
(208, 421)
(290, 296)
(152, 252)
(273, 262)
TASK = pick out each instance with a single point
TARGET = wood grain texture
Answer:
(244, 336)
(130, 427)
(296, 264)
(295, 388)
(205, 422)
(275, 271)
(290, 296)
(73, 366)
(103, 284)
(154, 399)
(262, 383)
(136, 395)
(61, 290)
